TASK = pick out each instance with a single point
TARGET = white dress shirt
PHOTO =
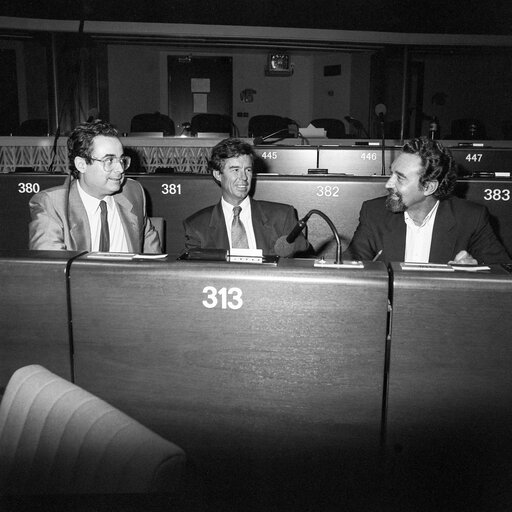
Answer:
(245, 217)
(419, 238)
(118, 241)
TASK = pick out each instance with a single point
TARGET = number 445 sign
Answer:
(223, 297)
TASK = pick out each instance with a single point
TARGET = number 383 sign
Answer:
(224, 298)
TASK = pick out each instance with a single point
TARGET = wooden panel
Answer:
(16, 189)
(288, 383)
(450, 389)
(33, 312)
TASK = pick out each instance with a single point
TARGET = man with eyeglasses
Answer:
(96, 209)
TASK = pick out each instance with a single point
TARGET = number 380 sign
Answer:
(223, 297)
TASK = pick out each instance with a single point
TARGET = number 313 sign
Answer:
(224, 298)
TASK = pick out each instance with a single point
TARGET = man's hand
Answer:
(463, 258)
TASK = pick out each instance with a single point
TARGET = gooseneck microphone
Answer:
(296, 231)
(259, 140)
(284, 245)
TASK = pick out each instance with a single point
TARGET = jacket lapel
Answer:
(263, 229)
(393, 239)
(217, 235)
(79, 229)
(443, 238)
(129, 221)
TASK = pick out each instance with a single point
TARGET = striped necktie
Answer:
(238, 234)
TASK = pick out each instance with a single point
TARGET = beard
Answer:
(394, 203)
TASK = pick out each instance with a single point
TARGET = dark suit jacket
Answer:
(52, 228)
(459, 225)
(206, 229)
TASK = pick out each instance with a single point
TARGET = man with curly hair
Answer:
(420, 220)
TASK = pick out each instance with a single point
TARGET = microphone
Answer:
(259, 140)
(381, 110)
(296, 231)
(284, 244)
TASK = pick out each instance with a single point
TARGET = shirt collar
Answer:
(227, 208)
(92, 203)
(426, 220)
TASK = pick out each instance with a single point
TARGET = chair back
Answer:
(32, 128)
(212, 123)
(56, 438)
(159, 225)
(152, 123)
(467, 129)
(334, 128)
(263, 125)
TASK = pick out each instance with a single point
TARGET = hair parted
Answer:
(228, 148)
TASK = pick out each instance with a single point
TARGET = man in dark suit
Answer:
(239, 221)
(419, 220)
(98, 209)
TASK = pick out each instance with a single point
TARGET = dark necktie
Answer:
(238, 234)
(104, 234)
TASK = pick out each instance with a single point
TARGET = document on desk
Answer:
(443, 267)
(123, 256)
(432, 267)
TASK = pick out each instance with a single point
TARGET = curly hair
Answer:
(438, 164)
(81, 139)
(228, 148)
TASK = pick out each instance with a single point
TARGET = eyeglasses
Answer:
(109, 162)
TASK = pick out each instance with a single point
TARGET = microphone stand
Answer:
(337, 261)
(258, 140)
(383, 144)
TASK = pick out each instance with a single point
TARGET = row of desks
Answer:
(285, 373)
(176, 196)
(371, 159)
(287, 156)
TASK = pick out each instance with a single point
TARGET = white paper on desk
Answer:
(429, 267)
(311, 132)
(149, 256)
(470, 268)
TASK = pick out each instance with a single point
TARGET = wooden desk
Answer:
(33, 312)
(450, 389)
(264, 375)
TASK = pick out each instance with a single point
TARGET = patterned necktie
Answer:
(238, 234)
(104, 234)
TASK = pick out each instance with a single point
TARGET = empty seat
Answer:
(467, 129)
(334, 128)
(266, 124)
(212, 123)
(32, 128)
(155, 122)
(56, 438)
